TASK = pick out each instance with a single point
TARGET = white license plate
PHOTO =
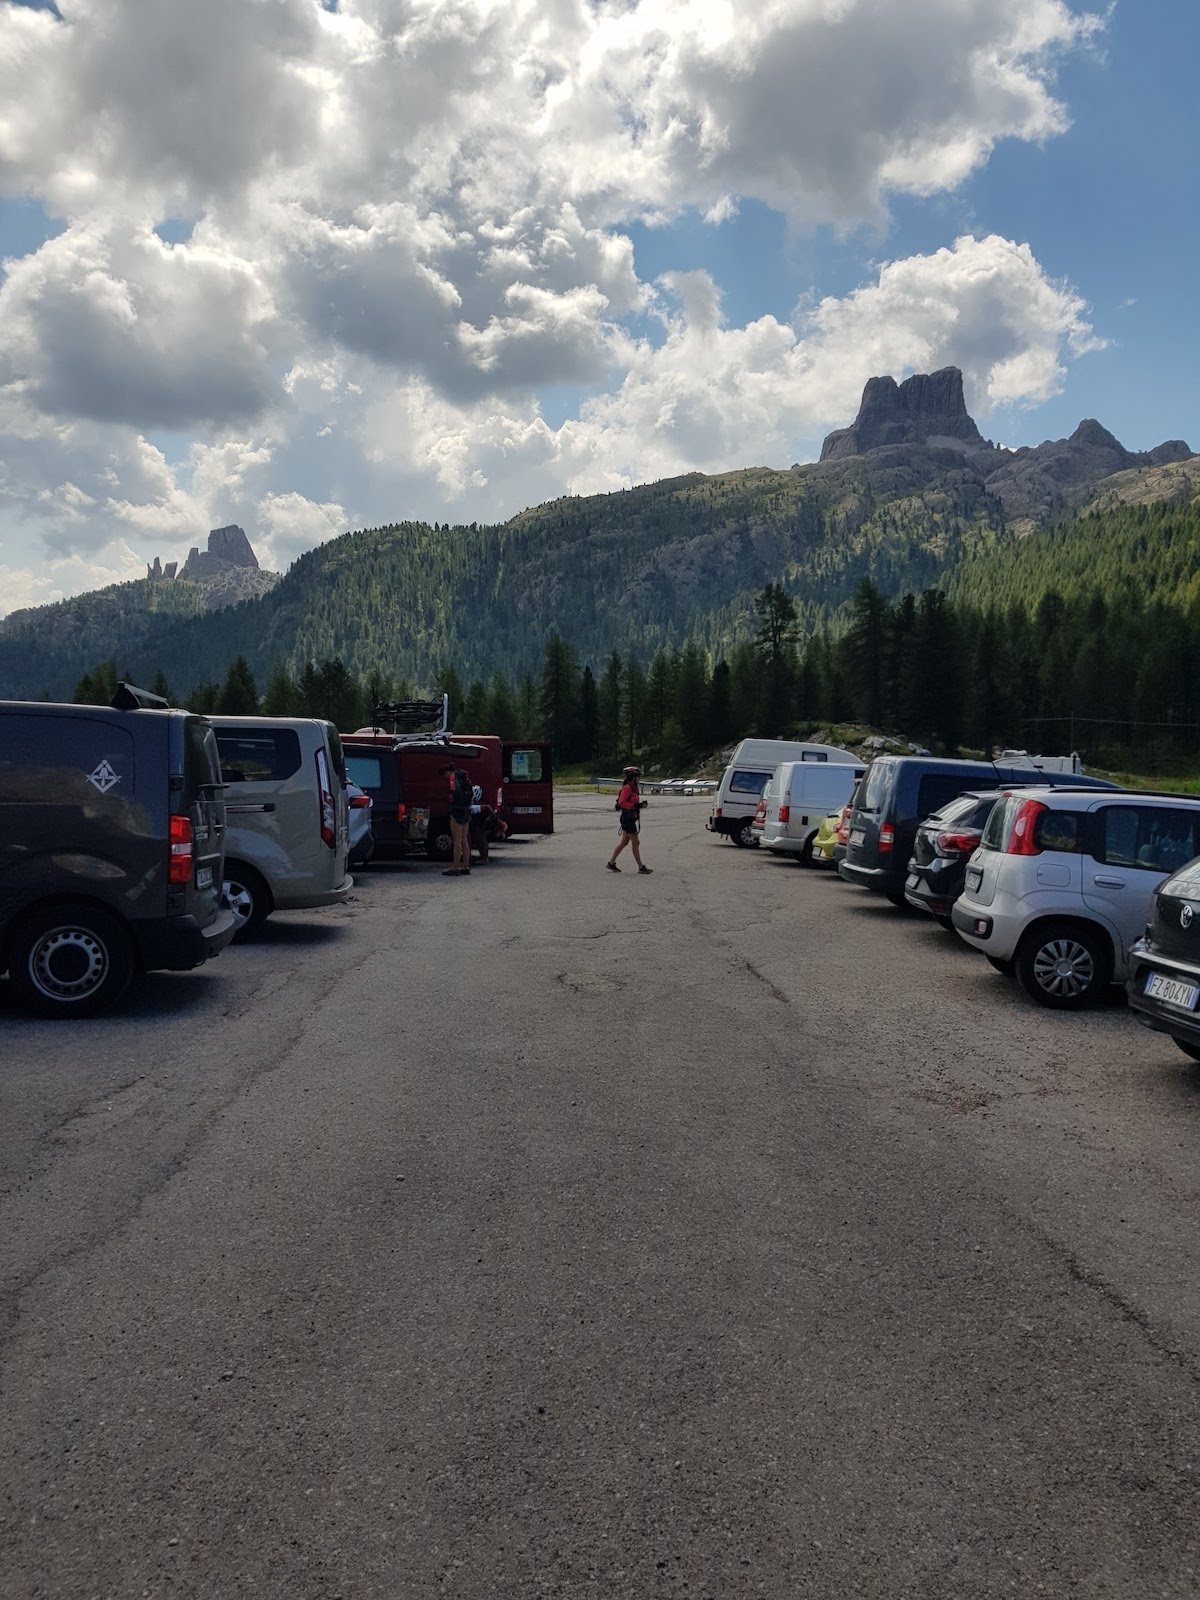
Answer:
(1173, 991)
(527, 811)
(974, 877)
(420, 814)
(911, 881)
(857, 836)
(204, 877)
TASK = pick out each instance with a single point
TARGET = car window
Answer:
(1154, 838)
(996, 829)
(1059, 830)
(365, 771)
(935, 790)
(875, 786)
(202, 763)
(335, 750)
(258, 755)
(748, 782)
(955, 811)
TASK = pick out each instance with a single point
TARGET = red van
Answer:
(528, 777)
(415, 784)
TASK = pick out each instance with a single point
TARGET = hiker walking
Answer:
(630, 805)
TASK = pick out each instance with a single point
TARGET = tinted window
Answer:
(365, 771)
(957, 811)
(814, 755)
(996, 831)
(1155, 838)
(748, 782)
(876, 786)
(202, 763)
(335, 751)
(1060, 830)
(78, 757)
(258, 755)
(935, 790)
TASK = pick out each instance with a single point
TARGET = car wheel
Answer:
(1189, 1049)
(71, 961)
(247, 896)
(439, 843)
(1000, 965)
(806, 855)
(1063, 965)
(896, 896)
(745, 836)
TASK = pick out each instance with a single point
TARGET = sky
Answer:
(314, 265)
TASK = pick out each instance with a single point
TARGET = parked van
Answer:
(422, 785)
(111, 832)
(287, 815)
(528, 795)
(899, 792)
(799, 795)
(745, 778)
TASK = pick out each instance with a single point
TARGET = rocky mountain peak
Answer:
(926, 409)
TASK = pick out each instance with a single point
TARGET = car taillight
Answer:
(182, 854)
(1020, 835)
(716, 811)
(402, 813)
(784, 813)
(956, 844)
(360, 801)
(327, 810)
(500, 797)
(887, 838)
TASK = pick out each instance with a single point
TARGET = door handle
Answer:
(1111, 883)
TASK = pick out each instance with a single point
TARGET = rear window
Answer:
(875, 787)
(365, 771)
(201, 760)
(258, 755)
(956, 811)
(748, 782)
(996, 831)
(1155, 838)
(335, 750)
(526, 766)
(936, 790)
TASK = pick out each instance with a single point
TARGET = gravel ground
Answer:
(719, 1233)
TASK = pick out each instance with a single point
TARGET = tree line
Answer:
(1119, 683)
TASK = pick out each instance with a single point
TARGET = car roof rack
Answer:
(422, 718)
(130, 698)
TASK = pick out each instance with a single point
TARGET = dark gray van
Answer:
(112, 825)
(899, 792)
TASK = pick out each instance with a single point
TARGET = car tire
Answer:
(439, 842)
(897, 898)
(1063, 965)
(1188, 1048)
(248, 897)
(1000, 965)
(744, 837)
(71, 960)
(806, 855)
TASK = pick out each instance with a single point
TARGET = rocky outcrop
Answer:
(227, 547)
(927, 409)
(1040, 483)
(227, 571)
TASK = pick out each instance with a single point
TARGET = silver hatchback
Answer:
(1062, 883)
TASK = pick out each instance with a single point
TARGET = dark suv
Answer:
(112, 822)
(899, 792)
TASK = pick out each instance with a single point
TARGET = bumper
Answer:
(869, 877)
(312, 902)
(175, 944)
(1158, 1014)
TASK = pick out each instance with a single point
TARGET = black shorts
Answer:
(629, 822)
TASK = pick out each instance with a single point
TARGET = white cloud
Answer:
(409, 221)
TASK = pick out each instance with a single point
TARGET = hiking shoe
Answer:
(646, 870)
(612, 866)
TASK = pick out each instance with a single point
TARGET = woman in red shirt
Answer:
(630, 804)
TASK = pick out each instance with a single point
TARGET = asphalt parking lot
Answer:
(717, 1233)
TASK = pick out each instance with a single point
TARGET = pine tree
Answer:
(239, 695)
(341, 696)
(281, 698)
(633, 705)
(589, 715)
(720, 706)
(474, 711)
(693, 696)
(608, 709)
(558, 700)
(866, 645)
(501, 717)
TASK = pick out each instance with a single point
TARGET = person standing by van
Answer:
(630, 805)
(460, 822)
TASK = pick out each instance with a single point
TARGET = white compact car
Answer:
(1062, 883)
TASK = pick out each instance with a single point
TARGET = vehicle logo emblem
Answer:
(1185, 917)
(103, 778)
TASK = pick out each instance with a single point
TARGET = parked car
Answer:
(288, 827)
(409, 790)
(798, 795)
(361, 846)
(526, 803)
(944, 842)
(111, 832)
(826, 839)
(1063, 881)
(1164, 964)
(899, 792)
(746, 776)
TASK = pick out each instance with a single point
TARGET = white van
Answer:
(798, 796)
(745, 778)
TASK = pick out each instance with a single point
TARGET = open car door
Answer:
(528, 788)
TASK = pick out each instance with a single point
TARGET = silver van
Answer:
(797, 798)
(287, 816)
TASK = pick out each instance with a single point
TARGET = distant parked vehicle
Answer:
(1164, 964)
(1063, 881)
(800, 794)
(899, 792)
(111, 830)
(361, 836)
(944, 843)
(826, 840)
(288, 829)
(746, 776)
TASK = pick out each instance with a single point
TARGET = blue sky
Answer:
(315, 268)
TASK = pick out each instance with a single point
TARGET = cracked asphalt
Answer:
(719, 1233)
